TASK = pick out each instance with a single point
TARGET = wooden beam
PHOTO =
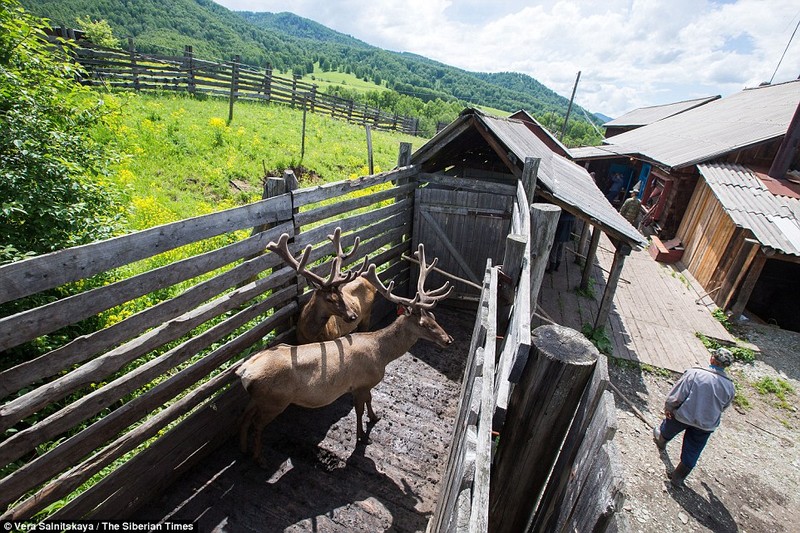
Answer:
(590, 256)
(530, 174)
(622, 251)
(746, 288)
(539, 414)
(498, 149)
(544, 218)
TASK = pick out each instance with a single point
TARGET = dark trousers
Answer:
(694, 439)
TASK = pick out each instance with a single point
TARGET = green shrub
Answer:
(53, 191)
(599, 338)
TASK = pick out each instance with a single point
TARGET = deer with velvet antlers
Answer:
(340, 304)
(316, 374)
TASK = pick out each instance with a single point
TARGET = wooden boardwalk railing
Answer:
(130, 69)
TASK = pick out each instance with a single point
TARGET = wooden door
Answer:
(462, 229)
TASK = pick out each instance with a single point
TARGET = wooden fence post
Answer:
(590, 255)
(234, 86)
(369, 150)
(188, 66)
(134, 68)
(544, 218)
(294, 89)
(512, 268)
(268, 82)
(313, 97)
(622, 251)
(539, 414)
(580, 255)
(530, 174)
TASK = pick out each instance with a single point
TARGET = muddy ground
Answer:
(748, 477)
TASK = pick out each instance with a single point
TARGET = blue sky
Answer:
(631, 53)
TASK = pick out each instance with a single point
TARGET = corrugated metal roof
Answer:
(648, 115)
(774, 220)
(713, 129)
(567, 181)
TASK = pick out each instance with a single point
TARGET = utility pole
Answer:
(569, 109)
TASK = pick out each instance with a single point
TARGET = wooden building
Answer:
(482, 150)
(721, 179)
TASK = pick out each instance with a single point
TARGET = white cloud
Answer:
(631, 53)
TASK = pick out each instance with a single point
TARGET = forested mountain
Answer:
(292, 43)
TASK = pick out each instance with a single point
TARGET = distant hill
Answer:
(603, 118)
(294, 44)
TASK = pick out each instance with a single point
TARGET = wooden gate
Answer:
(477, 221)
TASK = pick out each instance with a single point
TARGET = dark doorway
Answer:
(776, 296)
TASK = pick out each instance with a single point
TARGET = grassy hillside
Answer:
(294, 44)
(183, 160)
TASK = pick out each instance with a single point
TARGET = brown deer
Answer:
(339, 304)
(315, 375)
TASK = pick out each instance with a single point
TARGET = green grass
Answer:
(740, 353)
(777, 389)
(598, 337)
(184, 160)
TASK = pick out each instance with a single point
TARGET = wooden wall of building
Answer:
(716, 252)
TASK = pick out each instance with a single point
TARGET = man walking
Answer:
(695, 406)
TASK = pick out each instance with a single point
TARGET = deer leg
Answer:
(360, 397)
(260, 420)
(245, 421)
(372, 416)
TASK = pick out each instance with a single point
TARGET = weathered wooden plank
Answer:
(328, 211)
(310, 195)
(479, 521)
(30, 324)
(547, 513)
(72, 479)
(37, 274)
(27, 404)
(87, 346)
(600, 430)
(447, 507)
(469, 185)
(543, 403)
(602, 497)
(91, 404)
(80, 445)
(119, 494)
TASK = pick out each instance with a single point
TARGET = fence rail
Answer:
(112, 391)
(129, 69)
(138, 400)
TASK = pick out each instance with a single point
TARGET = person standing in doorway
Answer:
(630, 208)
(695, 406)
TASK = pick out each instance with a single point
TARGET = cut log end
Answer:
(564, 344)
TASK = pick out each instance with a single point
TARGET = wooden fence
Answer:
(113, 391)
(130, 69)
(574, 482)
(136, 404)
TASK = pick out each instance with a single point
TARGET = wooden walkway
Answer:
(657, 311)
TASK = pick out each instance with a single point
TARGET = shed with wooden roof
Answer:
(495, 152)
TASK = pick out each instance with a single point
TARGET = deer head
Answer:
(328, 290)
(418, 309)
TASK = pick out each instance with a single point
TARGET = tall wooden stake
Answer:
(569, 108)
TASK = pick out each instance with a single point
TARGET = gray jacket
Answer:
(700, 396)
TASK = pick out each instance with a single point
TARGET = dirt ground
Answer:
(748, 477)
